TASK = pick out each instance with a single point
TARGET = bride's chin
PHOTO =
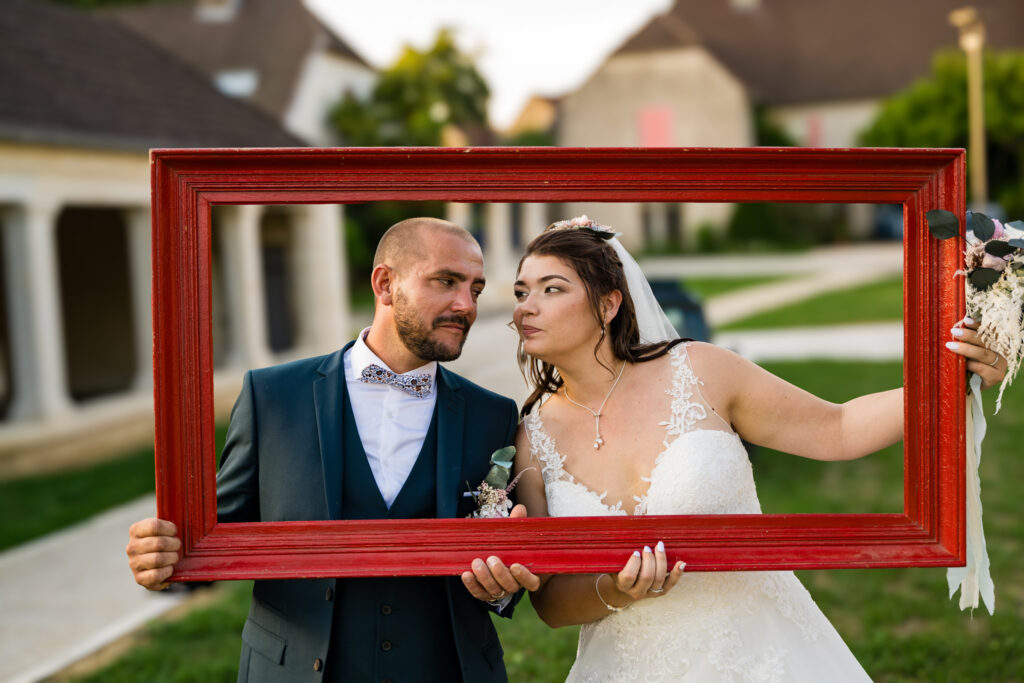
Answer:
(537, 351)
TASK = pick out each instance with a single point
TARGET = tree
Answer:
(933, 113)
(412, 102)
(415, 99)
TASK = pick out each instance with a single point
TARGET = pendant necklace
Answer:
(597, 414)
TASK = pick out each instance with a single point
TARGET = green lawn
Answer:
(34, 506)
(37, 505)
(899, 623)
(707, 287)
(200, 647)
(876, 301)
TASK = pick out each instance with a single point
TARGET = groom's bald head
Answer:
(408, 240)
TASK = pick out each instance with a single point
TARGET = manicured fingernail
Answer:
(680, 565)
(647, 549)
(952, 346)
(957, 331)
(660, 547)
(968, 320)
(636, 553)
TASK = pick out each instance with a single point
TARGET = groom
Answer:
(377, 430)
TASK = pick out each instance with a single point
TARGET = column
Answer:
(498, 229)
(659, 224)
(322, 301)
(535, 219)
(140, 272)
(39, 375)
(460, 214)
(243, 285)
(498, 263)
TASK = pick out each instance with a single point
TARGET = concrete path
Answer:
(68, 594)
(868, 341)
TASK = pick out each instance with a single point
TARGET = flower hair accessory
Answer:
(585, 224)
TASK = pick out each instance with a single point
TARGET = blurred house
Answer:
(83, 97)
(273, 54)
(695, 75)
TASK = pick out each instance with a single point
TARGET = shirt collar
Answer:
(362, 357)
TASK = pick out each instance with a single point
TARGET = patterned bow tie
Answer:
(414, 385)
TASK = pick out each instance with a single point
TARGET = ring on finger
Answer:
(656, 590)
(499, 596)
(995, 361)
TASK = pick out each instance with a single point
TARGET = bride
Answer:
(625, 419)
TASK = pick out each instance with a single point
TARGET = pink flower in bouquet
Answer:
(1000, 232)
(994, 262)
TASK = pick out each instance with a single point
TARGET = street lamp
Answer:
(972, 41)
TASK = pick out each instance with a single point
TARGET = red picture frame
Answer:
(186, 183)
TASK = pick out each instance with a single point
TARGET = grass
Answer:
(789, 484)
(898, 623)
(876, 301)
(707, 287)
(200, 647)
(40, 504)
(533, 651)
(36, 505)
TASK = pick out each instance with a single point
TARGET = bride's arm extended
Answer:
(768, 411)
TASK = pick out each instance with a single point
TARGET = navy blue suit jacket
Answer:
(282, 462)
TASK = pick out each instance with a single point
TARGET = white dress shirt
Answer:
(392, 423)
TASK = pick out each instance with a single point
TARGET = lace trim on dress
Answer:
(542, 447)
(686, 412)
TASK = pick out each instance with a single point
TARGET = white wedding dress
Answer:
(713, 626)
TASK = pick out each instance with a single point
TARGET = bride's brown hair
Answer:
(600, 269)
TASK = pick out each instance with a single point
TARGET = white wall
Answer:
(707, 106)
(323, 80)
(831, 124)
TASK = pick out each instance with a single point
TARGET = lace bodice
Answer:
(703, 468)
(727, 626)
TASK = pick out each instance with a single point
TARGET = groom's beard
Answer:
(418, 337)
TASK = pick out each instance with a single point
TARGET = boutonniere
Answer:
(491, 495)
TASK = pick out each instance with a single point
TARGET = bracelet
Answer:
(597, 588)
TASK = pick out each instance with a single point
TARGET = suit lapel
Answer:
(330, 425)
(450, 421)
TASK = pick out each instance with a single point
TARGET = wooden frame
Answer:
(186, 183)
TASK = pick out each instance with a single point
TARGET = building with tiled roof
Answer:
(82, 100)
(693, 76)
(273, 54)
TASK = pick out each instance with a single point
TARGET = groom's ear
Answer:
(610, 305)
(382, 280)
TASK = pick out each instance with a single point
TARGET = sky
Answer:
(522, 47)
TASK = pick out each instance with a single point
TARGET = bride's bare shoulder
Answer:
(710, 355)
(716, 366)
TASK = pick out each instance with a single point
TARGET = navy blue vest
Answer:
(396, 629)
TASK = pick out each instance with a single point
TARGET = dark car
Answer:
(684, 310)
